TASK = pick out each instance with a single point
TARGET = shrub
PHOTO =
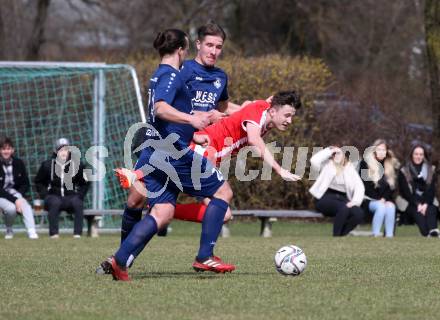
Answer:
(258, 78)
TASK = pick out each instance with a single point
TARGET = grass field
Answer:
(346, 278)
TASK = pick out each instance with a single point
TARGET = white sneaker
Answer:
(54, 236)
(9, 235)
(76, 236)
(32, 235)
(434, 233)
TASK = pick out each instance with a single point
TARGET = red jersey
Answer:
(229, 134)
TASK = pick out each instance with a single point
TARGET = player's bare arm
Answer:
(166, 112)
(214, 115)
(255, 140)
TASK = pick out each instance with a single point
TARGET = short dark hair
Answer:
(210, 29)
(170, 40)
(286, 97)
(5, 141)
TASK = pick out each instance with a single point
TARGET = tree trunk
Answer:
(2, 37)
(432, 34)
(37, 37)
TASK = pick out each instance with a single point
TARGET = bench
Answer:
(92, 224)
(267, 217)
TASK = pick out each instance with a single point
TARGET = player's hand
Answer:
(19, 205)
(269, 99)
(215, 115)
(201, 139)
(126, 177)
(200, 120)
(287, 175)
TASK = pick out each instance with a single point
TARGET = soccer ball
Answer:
(290, 260)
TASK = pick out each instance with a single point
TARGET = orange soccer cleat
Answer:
(127, 177)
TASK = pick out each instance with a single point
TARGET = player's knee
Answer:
(163, 214)
(225, 193)
(228, 215)
(134, 201)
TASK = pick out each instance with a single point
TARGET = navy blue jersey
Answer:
(208, 85)
(167, 85)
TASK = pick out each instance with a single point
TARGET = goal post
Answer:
(91, 104)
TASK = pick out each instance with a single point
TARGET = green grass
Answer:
(346, 278)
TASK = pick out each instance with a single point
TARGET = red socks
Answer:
(190, 212)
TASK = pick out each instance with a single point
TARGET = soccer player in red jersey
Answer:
(244, 127)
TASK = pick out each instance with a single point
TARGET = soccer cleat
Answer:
(127, 177)
(118, 272)
(214, 264)
(105, 267)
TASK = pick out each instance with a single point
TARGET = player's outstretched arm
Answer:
(255, 140)
(166, 112)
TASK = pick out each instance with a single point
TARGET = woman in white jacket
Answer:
(339, 190)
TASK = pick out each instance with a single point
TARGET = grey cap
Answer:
(61, 142)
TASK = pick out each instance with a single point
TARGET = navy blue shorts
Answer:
(192, 174)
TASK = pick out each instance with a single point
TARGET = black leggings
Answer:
(425, 222)
(54, 204)
(334, 204)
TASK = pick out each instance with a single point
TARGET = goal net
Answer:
(91, 104)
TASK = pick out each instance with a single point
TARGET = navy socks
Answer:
(140, 235)
(130, 217)
(211, 226)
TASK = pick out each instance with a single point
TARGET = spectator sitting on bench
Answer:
(379, 173)
(338, 190)
(51, 186)
(14, 184)
(417, 185)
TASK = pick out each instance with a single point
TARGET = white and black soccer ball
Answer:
(290, 260)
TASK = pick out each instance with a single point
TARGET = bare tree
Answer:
(37, 36)
(22, 28)
(432, 31)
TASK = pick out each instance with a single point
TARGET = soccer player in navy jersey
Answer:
(208, 88)
(170, 163)
(208, 84)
